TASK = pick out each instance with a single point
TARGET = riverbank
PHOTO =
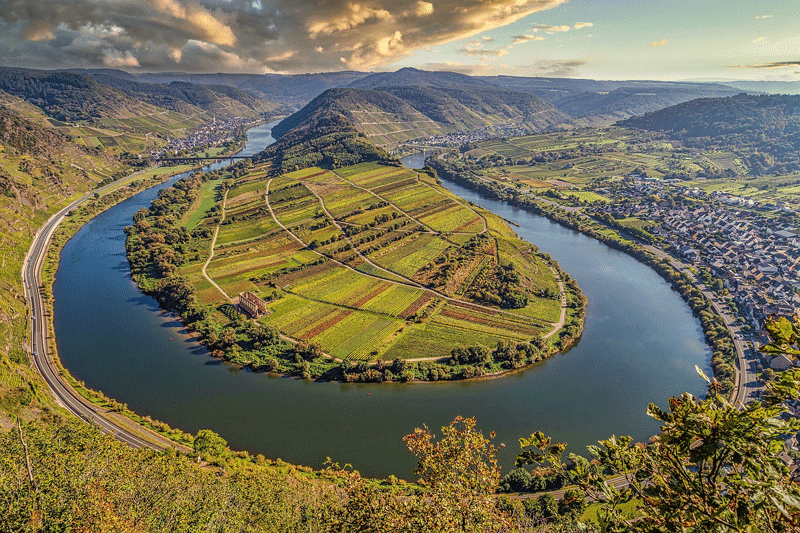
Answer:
(109, 408)
(718, 336)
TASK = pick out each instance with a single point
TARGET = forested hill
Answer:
(71, 97)
(764, 129)
(392, 114)
(220, 100)
(409, 76)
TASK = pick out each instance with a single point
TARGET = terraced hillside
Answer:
(389, 115)
(372, 262)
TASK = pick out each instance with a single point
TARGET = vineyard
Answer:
(370, 261)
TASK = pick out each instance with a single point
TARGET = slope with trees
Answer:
(764, 129)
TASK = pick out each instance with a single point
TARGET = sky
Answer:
(599, 39)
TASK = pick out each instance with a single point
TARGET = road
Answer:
(108, 421)
(746, 385)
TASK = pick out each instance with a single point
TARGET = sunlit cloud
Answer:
(553, 68)
(656, 44)
(758, 39)
(581, 25)
(232, 35)
(480, 52)
(117, 59)
(550, 29)
(519, 39)
(763, 16)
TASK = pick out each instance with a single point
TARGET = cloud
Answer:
(243, 35)
(423, 9)
(778, 64)
(550, 29)
(480, 52)
(519, 39)
(758, 39)
(656, 44)
(116, 59)
(553, 68)
(581, 25)
(763, 16)
(487, 39)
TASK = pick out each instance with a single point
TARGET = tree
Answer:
(714, 467)
(458, 474)
(784, 337)
(210, 443)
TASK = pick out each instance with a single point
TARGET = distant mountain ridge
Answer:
(409, 76)
(594, 101)
(292, 89)
(605, 102)
(223, 101)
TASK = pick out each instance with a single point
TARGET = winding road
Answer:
(109, 421)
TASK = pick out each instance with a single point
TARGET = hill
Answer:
(70, 97)
(393, 114)
(41, 168)
(764, 129)
(292, 89)
(220, 101)
(100, 98)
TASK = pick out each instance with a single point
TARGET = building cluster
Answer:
(212, 134)
(757, 257)
(472, 136)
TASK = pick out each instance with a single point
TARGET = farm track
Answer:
(376, 195)
(563, 318)
(358, 252)
(430, 229)
(213, 244)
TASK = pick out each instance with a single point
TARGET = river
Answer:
(640, 344)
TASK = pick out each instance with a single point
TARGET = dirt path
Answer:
(558, 325)
(376, 195)
(355, 248)
(214, 243)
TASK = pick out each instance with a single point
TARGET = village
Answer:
(214, 133)
(756, 257)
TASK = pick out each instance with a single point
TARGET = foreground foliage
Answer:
(714, 467)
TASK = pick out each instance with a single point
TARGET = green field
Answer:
(372, 261)
(578, 163)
